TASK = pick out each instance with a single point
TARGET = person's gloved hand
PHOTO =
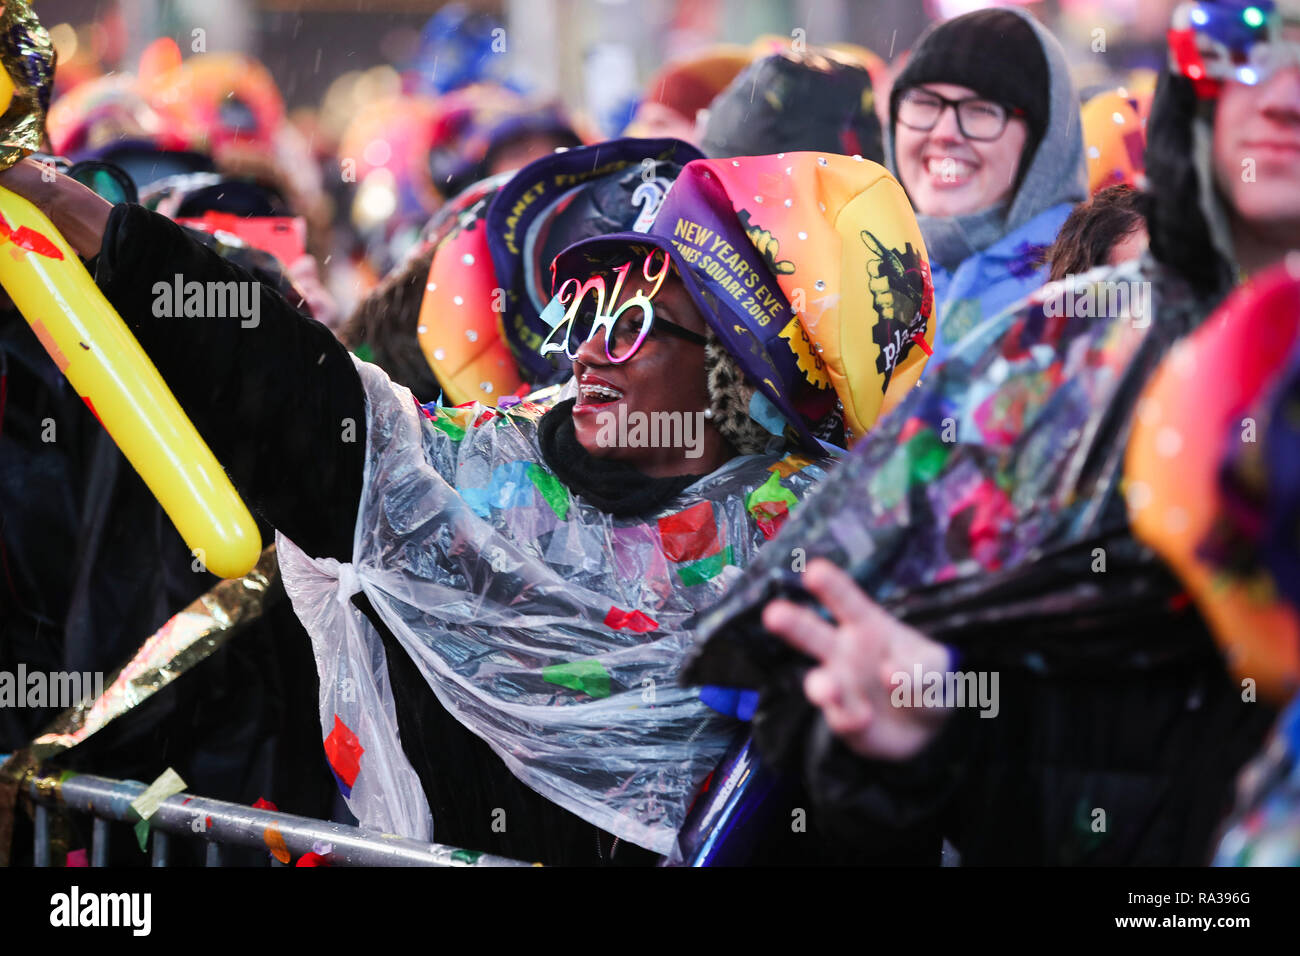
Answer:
(859, 657)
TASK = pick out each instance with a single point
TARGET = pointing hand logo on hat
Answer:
(901, 289)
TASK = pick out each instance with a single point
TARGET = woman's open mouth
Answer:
(594, 392)
(947, 171)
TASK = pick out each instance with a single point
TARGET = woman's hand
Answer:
(859, 660)
(76, 210)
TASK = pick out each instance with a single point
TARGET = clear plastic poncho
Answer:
(549, 628)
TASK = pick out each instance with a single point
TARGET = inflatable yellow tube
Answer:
(92, 346)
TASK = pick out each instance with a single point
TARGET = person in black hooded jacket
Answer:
(92, 567)
(1117, 731)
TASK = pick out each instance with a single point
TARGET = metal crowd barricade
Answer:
(220, 824)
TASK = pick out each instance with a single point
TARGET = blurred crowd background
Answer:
(399, 101)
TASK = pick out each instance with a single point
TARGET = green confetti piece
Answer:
(589, 677)
(771, 490)
(364, 352)
(468, 857)
(887, 486)
(926, 456)
(704, 570)
(919, 461)
(444, 423)
(556, 495)
(168, 783)
(142, 834)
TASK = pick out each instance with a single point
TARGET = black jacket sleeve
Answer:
(278, 401)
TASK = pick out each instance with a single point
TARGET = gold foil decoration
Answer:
(187, 638)
(28, 58)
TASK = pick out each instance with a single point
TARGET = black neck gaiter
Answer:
(614, 487)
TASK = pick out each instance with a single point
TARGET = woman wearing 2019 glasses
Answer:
(985, 136)
(538, 567)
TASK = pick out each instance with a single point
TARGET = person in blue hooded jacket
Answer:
(985, 136)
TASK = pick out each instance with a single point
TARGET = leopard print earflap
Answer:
(729, 396)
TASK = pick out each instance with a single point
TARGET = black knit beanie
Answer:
(993, 52)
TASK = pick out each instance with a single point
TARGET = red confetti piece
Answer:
(77, 858)
(691, 534)
(26, 238)
(769, 516)
(344, 750)
(618, 619)
(91, 406)
(484, 418)
(261, 803)
(919, 339)
(910, 428)
(312, 859)
(990, 511)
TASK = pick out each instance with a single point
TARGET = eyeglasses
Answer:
(627, 324)
(629, 332)
(978, 119)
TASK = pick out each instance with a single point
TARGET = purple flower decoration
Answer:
(1028, 258)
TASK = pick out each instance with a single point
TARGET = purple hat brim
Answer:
(529, 195)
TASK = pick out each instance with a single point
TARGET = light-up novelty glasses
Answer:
(581, 309)
(1217, 40)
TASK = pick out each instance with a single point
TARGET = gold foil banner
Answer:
(186, 639)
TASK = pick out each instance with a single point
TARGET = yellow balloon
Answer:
(93, 347)
(6, 90)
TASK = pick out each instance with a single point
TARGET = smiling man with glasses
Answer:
(985, 137)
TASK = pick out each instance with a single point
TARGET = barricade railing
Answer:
(218, 823)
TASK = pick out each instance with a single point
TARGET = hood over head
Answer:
(1187, 217)
(1055, 173)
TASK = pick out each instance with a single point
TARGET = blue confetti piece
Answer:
(509, 487)
(731, 701)
(553, 314)
(766, 414)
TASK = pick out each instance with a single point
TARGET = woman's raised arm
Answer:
(272, 392)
